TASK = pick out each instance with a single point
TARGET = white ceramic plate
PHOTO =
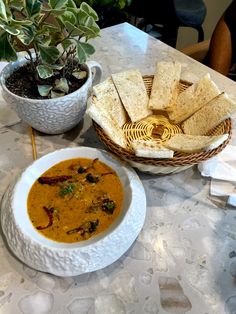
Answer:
(65, 259)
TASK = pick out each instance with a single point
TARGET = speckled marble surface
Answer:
(183, 261)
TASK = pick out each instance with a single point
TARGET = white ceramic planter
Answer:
(51, 116)
(71, 259)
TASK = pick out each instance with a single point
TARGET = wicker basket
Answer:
(180, 161)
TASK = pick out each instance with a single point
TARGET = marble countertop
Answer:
(183, 261)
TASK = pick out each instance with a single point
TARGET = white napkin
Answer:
(222, 170)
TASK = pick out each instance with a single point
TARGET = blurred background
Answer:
(215, 8)
(204, 13)
(186, 25)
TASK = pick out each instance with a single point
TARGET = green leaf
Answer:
(91, 23)
(69, 17)
(57, 66)
(44, 90)
(66, 44)
(7, 53)
(86, 8)
(33, 7)
(56, 95)
(26, 35)
(71, 4)
(50, 35)
(82, 16)
(49, 27)
(89, 32)
(56, 39)
(55, 12)
(17, 4)
(121, 4)
(44, 38)
(62, 85)
(9, 29)
(3, 13)
(57, 4)
(93, 28)
(74, 31)
(49, 54)
(79, 74)
(44, 71)
(15, 23)
(74, 11)
(83, 51)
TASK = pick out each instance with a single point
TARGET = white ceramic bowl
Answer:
(64, 259)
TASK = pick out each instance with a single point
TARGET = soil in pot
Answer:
(22, 82)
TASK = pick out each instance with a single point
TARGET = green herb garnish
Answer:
(108, 206)
(67, 189)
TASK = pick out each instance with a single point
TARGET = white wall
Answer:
(215, 8)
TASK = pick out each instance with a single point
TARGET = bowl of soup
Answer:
(73, 211)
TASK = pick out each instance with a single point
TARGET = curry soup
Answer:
(75, 199)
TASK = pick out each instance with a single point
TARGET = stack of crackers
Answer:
(197, 109)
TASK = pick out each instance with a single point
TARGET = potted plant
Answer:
(49, 87)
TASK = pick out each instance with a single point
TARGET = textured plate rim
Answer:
(86, 258)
